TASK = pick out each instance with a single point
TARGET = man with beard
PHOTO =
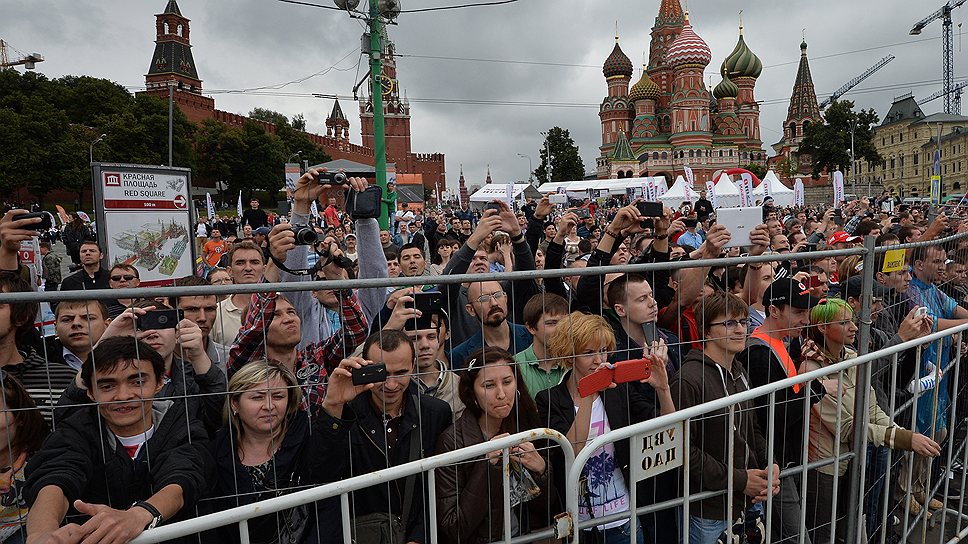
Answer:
(471, 258)
(487, 301)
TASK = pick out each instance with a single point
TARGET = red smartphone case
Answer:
(595, 382)
(635, 370)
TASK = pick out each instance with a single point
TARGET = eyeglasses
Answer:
(484, 299)
(733, 323)
(125, 277)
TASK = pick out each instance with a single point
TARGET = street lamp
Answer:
(548, 157)
(530, 167)
(296, 154)
(91, 149)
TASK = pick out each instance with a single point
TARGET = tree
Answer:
(757, 170)
(566, 163)
(828, 144)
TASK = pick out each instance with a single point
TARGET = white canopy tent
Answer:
(727, 193)
(497, 191)
(552, 186)
(782, 195)
(677, 194)
(583, 185)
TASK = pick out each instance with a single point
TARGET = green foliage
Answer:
(757, 169)
(828, 144)
(566, 163)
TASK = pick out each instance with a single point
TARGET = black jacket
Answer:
(624, 406)
(701, 380)
(308, 455)
(424, 418)
(88, 462)
(788, 422)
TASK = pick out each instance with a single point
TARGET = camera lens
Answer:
(306, 236)
(339, 178)
(162, 319)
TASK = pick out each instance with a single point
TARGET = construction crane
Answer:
(955, 94)
(856, 81)
(947, 48)
(28, 61)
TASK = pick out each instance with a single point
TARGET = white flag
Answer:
(239, 206)
(767, 190)
(314, 209)
(745, 187)
(509, 194)
(690, 177)
(650, 193)
(798, 199)
(210, 206)
(838, 188)
(711, 193)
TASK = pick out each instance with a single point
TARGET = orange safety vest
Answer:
(779, 349)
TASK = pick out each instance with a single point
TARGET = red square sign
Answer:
(112, 180)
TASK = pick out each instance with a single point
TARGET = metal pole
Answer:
(376, 93)
(861, 398)
(171, 90)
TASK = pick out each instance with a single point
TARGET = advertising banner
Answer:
(293, 172)
(650, 190)
(798, 198)
(144, 219)
(210, 206)
(745, 187)
(711, 193)
(839, 195)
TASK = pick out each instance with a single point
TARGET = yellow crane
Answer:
(28, 61)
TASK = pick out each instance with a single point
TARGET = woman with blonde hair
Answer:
(582, 343)
(269, 447)
(832, 331)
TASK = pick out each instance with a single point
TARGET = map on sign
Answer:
(145, 212)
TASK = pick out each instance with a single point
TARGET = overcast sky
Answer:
(555, 48)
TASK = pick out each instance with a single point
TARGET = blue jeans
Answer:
(873, 495)
(706, 531)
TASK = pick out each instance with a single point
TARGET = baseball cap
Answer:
(854, 287)
(261, 230)
(789, 292)
(841, 237)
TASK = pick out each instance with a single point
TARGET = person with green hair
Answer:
(832, 331)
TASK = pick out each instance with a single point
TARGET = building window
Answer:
(179, 30)
(664, 155)
(655, 155)
(691, 154)
(883, 141)
(916, 157)
(720, 153)
(901, 136)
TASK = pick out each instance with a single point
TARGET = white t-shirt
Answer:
(607, 493)
(133, 443)
(201, 231)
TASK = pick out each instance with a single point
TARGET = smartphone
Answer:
(159, 319)
(364, 204)
(44, 220)
(650, 332)
(558, 198)
(815, 282)
(429, 304)
(921, 312)
(493, 206)
(650, 209)
(595, 382)
(376, 373)
(582, 213)
(634, 370)
(838, 217)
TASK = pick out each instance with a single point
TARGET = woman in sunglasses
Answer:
(469, 494)
(832, 331)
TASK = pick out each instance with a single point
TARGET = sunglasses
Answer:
(125, 277)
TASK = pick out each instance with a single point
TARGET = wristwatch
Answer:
(156, 517)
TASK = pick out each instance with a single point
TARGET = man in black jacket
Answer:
(768, 358)
(391, 424)
(91, 275)
(95, 470)
(254, 216)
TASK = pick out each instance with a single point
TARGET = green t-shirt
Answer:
(535, 377)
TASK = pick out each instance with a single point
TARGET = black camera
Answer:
(44, 224)
(305, 235)
(342, 261)
(339, 178)
(159, 319)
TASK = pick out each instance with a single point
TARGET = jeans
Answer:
(706, 531)
(616, 535)
(786, 512)
(874, 492)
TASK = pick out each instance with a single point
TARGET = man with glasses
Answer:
(488, 303)
(123, 276)
(769, 359)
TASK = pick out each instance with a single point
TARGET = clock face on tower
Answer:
(387, 85)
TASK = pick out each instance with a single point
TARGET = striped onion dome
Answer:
(742, 62)
(688, 48)
(726, 89)
(617, 64)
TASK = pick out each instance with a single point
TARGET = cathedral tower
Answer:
(803, 112)
(616, 110)
(743, 67)
(689, 55)
(396, 113)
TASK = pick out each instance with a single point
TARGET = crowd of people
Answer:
(120, 422)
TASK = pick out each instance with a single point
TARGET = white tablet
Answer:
(739, 222)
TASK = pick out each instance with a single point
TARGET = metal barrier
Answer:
(341, 489)
(568, 524)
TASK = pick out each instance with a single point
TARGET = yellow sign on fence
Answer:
(893, 261)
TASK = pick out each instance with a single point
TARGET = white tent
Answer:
(677, 193)
(782, 195)
(727, 193)
(498, 191)
(552, 186)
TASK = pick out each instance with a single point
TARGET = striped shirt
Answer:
(44, 382)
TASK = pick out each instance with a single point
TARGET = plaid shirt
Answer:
(313, 362)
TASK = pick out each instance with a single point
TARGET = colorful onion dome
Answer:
(726, 89)
(688, 48)
(742, 62)
(617, 64)
(645, 88)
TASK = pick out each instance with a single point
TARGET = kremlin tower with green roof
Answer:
(668, 119)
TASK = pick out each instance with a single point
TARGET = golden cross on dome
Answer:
(741, 22)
